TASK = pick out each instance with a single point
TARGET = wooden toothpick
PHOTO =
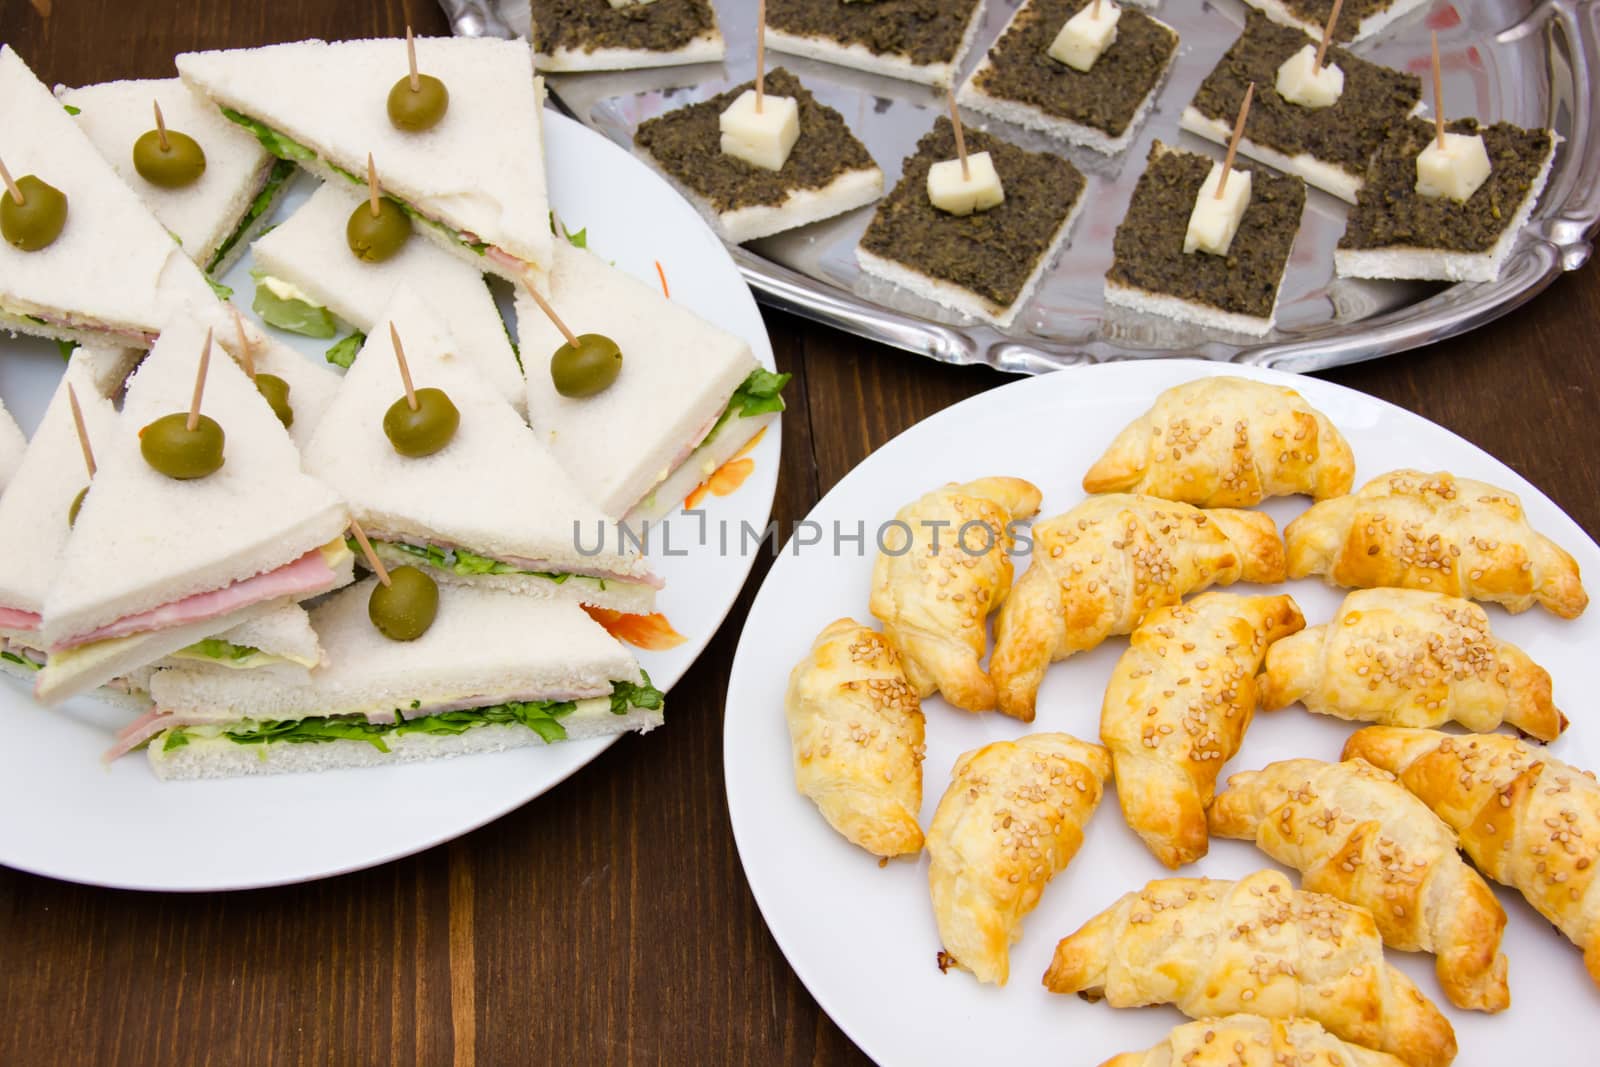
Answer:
(961, 137)
(405, 370)
(366, 550)
(1327, 37)
(550, 313)
(761, 55)
(411, 57)
(16, 194)
(1095, 14)
(83, 431)
(247, 358)
(199, 385)
(1438, 93)
(1233, 142)
(161, 127)
(42, 7)
(373, 193)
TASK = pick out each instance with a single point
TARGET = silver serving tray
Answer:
(1531, 62)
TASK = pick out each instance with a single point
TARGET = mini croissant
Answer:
(1212, 948)
(1226, 442)
(1177, 707)
(1438, 533)
(944, 567)
(1251, 1041)
(1101, 567)
(1012, 818)
(857, 733)
(1526, 819)
(1406, 658)
(1354, 833)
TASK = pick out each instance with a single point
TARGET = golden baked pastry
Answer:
(1177, 707)
(1101, 567)
(1401, 657)
(1525, 818)
(1226, 442)
(939, 576)
(1438, 533)
(1012, 818)
(1213, 948)
(1353, 832)
(857, 732)
(1251, 1041)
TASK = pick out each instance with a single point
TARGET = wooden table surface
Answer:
(608, 921)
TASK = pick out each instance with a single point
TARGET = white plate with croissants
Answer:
(1033, 707)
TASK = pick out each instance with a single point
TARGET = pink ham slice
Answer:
(306, 576)
(17, 619)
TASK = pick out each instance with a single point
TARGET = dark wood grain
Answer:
(608, 921)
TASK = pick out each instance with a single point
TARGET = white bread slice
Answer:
(670, 494)
(308, 250)
(486, 646)
(113, 275)
(494, 490)
(678, 373)
(201, 215)
(12, 444)
(283, 637)
(121, 693)
(888, 64)
(33, 511)
(1279, 12)
(143, 540)
(479, 171)
(108, 367)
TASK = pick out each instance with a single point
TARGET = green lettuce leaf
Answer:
(273, 141)
(469, 564)
(217, 648)
(21, 661)
(343, 352)
(65, 348)
(222, 291)
(625, 695)
(759, 394)
(579, 239)
(282, 170)
(72, 110)
(296, 316)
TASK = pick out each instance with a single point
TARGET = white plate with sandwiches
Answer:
(891, 949)
(76, 817)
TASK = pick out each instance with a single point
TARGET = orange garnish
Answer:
(650, 632)
(728, 477)
(663, 276)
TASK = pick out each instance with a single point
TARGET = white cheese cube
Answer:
(978, 190)
(1085, 37)
(761, 138)
(1299, 84)
(1213, 222)
(1456, 170)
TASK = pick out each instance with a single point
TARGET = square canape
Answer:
(1358, 19)
(581, 35)
(1327, 146)
(828, 172)
(1101, 108)
(1238, 292)
(914, 40)
(986, 264)
(1396, 232)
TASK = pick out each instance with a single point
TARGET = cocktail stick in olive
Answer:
(32, 212)
(276, 390)
(422, 430)
(379, 228)
(77, 506)
(403, 609)
(586, 368)
(418, 101)
(168, 158)
(171, 447)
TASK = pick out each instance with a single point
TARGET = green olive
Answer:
(77, 506)
(405, 608)
(180, 163)
(172, 448)
(276, 390)
(38, 220)
(427, 429)
(375, 238)
(421, 108)
(587, 369)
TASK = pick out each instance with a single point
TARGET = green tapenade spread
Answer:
(1107, 96)
(1351, 16)
(1391, 213)
(590, 25)
(991, 253)
(1148, 249)
(1375, 99)
(687, 144)
(923, 31)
